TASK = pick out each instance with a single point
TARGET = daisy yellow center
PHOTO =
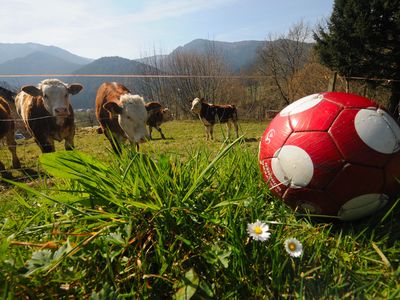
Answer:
(257, 230)
(292, 246)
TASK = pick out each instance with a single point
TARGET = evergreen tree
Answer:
(362, 38)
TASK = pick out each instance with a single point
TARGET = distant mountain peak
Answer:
(37, 62)
(9, 51)
(115, 65)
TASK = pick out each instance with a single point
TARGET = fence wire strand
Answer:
(26, 143)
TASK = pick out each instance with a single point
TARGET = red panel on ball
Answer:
(353, 149)
(349, 100)
(317, 118)
(392, 177)
(355, 180)
(274, 136)
(326, 158)
(311, 200)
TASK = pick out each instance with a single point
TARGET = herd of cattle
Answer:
(48, 115)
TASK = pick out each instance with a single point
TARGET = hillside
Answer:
(109, 65)
(114, 65)
(38, 63)
(9, 51)
(238, 56)
(33, 58)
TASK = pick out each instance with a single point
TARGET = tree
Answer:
(204, 76)
(283, 57)
(362, 39)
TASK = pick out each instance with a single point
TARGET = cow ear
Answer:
(113, 108)
(74, 88)
(32, 90)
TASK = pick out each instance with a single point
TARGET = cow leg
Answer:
(12, 146)
(69, 141)
(209, 132)
(150, 130)
(229, 127)
(3, 172)
(160, 131)
(235, 125)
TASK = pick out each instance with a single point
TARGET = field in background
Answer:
(181, 138)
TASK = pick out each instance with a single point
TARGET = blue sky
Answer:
(133, 29)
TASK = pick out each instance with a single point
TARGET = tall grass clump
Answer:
(157, 226)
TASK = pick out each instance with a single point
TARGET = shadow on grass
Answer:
(383, 224)
(28, 175)
(160, 139)
(251, 140)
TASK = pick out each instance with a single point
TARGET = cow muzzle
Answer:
(61, 111)
(144, 139)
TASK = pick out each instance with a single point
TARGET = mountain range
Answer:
(32, 58)
(11, 51)
(237, 56)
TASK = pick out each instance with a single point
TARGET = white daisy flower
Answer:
(258, 231)
(293, 247)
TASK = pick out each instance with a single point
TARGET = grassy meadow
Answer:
(171, 221)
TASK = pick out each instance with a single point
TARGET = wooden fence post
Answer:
(332, 82)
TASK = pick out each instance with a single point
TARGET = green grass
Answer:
(170, 222)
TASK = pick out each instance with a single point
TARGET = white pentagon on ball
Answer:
(378, 130)
(361, 206)
(301, 105)
(292, 166)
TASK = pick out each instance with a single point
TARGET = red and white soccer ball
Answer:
(333, 154)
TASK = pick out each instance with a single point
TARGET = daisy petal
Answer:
(293, 247)
(258, 231)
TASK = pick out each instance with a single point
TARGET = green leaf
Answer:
(188, 286)
(106, 293)
(4, 243)
(71, 164)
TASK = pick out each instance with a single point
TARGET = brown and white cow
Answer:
(210, 114)
(9, 96)
(47, 112)
(156, 115)
(7, 132)
(121, 115)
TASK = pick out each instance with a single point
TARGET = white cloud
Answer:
(91, 28)
(157, 10)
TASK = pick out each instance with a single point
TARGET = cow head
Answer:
(196, 105)
(166, 115)
(132, 116)
(55, 95)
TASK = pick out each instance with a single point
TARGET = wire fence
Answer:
(32, 170)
